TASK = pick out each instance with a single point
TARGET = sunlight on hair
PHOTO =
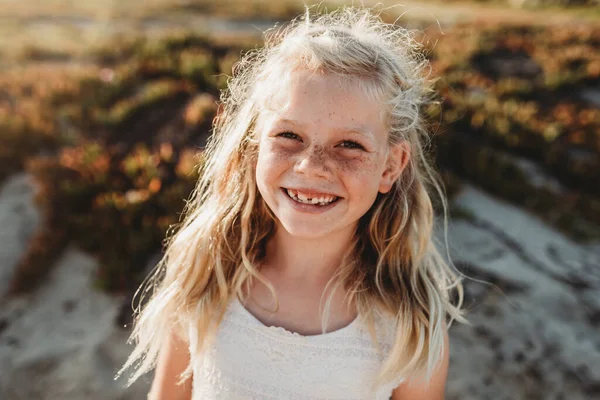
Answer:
(393, 266)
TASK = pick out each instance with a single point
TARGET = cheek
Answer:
(361, 165)
(271, 161)
(362, 176)
(363, 169)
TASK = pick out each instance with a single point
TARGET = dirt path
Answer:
(454, 12)
(68, 30)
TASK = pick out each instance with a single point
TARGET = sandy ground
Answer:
(533, 298)
(534, 332)
(18, 220)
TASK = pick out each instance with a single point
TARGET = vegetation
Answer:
(514, 99)
(118, 153)
(114, 141)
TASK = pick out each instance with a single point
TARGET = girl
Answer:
(305, 268)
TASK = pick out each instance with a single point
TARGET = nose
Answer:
(313, 162)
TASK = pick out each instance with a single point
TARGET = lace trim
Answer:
(352, 346)
(280, 330)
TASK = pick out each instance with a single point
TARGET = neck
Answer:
(307, 260)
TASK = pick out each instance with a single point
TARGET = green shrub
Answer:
(115, 146)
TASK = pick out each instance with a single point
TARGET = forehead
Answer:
(305, 97)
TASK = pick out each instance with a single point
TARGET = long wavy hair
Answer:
(393, 265)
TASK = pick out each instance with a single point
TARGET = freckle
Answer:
(359, 165)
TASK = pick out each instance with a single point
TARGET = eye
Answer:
(289, 135)
(349, 144)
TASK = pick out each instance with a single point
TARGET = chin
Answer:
(315, 228)
(302, 230)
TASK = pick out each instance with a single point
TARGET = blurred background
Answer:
(104, 106)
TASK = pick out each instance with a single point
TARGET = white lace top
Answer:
(248, 360)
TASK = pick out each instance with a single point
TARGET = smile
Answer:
(320, 199)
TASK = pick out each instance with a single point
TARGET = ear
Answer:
(397, 160)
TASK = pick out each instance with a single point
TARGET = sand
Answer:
(534, 332)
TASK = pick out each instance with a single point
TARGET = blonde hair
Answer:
(393, 265)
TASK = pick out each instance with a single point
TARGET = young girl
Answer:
(305, 267)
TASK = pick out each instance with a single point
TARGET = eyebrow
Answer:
(358, 129)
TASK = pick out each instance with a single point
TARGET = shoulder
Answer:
(434, 387)
(172, 362)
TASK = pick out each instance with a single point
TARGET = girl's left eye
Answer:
(349, 144)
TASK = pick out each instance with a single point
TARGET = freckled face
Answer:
(327, 141)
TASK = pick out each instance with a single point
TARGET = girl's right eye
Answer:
(289, 135)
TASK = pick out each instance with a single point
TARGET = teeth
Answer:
(301, 198)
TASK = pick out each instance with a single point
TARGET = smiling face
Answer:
(323, 156)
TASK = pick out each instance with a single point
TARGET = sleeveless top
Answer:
(249, 360)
